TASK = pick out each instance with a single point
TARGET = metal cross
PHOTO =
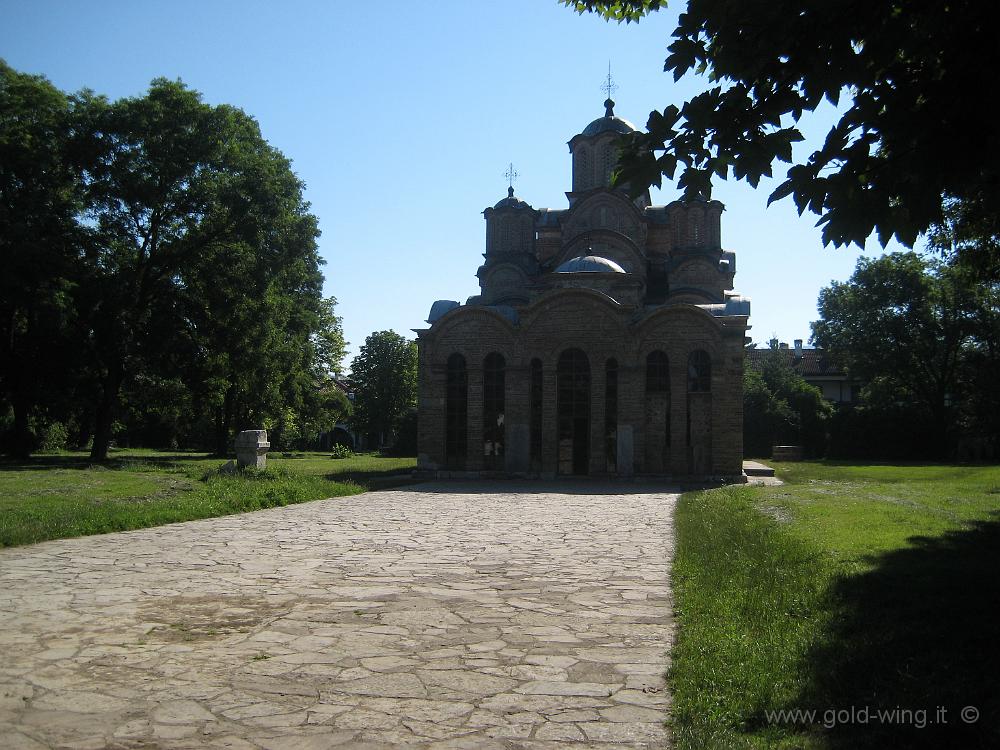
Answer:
(511, 175)
(609, 86)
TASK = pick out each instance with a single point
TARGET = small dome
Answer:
(590, 264)
(511, 201)
(615, 124)
(609, 123)
(440, 308)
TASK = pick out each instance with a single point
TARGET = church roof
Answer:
(511, 201)
(610, 122)
(590, 264)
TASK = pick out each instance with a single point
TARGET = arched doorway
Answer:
(573, 411)
(494, 430)
(456, 412)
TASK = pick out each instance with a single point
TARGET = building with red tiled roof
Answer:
(815, 367)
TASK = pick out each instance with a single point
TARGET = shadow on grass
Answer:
(374, 478)
(915, 635)
(115, 463)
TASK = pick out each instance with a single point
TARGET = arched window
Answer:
(699, 372)
(699, 412)
(611, 415)
(584, 169)
(535, 414)
(493, 411)
(657, 373)
(657, 424)
(505, 234)
(609, 162)
(573, 408)
(456, 412)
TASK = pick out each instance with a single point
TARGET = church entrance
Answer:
(573, 412)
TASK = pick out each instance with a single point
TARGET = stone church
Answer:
(606, 340)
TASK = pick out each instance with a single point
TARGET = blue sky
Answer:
(401, 119)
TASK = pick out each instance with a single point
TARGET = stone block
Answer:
(786, 452)
(251, 449)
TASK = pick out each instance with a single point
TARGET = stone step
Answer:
(757, 469)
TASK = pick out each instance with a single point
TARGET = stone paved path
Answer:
(449, 616)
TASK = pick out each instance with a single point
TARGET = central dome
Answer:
(613, 124)
(609, 123)
(590, 264)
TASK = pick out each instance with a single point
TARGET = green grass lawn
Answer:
(847, 591)
(64, 495)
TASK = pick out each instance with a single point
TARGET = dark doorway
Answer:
(494, 430)
(573, 392)
(611, 416)
(456, 412)
(535, 406)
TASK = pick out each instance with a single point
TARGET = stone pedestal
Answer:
(786, 452)
(252, 448)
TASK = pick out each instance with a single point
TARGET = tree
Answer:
(39, 201)
(972, 249)
(911, 134)
(178, 192)
(385, 378)
(780, 407)
(328, 340)
(902, 323)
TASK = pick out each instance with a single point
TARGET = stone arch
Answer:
(472, 329)
(504, 276)
(572, 317)
(699, 325)
(611, 245)
(699, 271)
(583, 216)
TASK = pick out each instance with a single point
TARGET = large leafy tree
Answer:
(904, 324)
(39, 201)
(255, 316)
(385, 377)
(910, 133)
(178, 193)
(779, 406)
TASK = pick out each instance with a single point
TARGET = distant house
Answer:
(816, 368)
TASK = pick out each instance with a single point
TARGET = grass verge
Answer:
(59, 496)
(858, 600)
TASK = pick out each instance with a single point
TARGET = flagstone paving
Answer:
(473, 615)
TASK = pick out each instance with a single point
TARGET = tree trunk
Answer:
(21, 439)
(223, 423)
(104, 416)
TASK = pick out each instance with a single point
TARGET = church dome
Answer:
(590, 264)
(511, 201)
(609, 123)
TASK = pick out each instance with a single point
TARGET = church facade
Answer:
(606, 339)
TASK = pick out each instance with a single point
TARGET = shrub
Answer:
(340, 451)
(54, 437)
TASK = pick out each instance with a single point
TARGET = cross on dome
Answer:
(609, 87)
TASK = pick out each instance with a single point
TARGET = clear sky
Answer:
(401, 119)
